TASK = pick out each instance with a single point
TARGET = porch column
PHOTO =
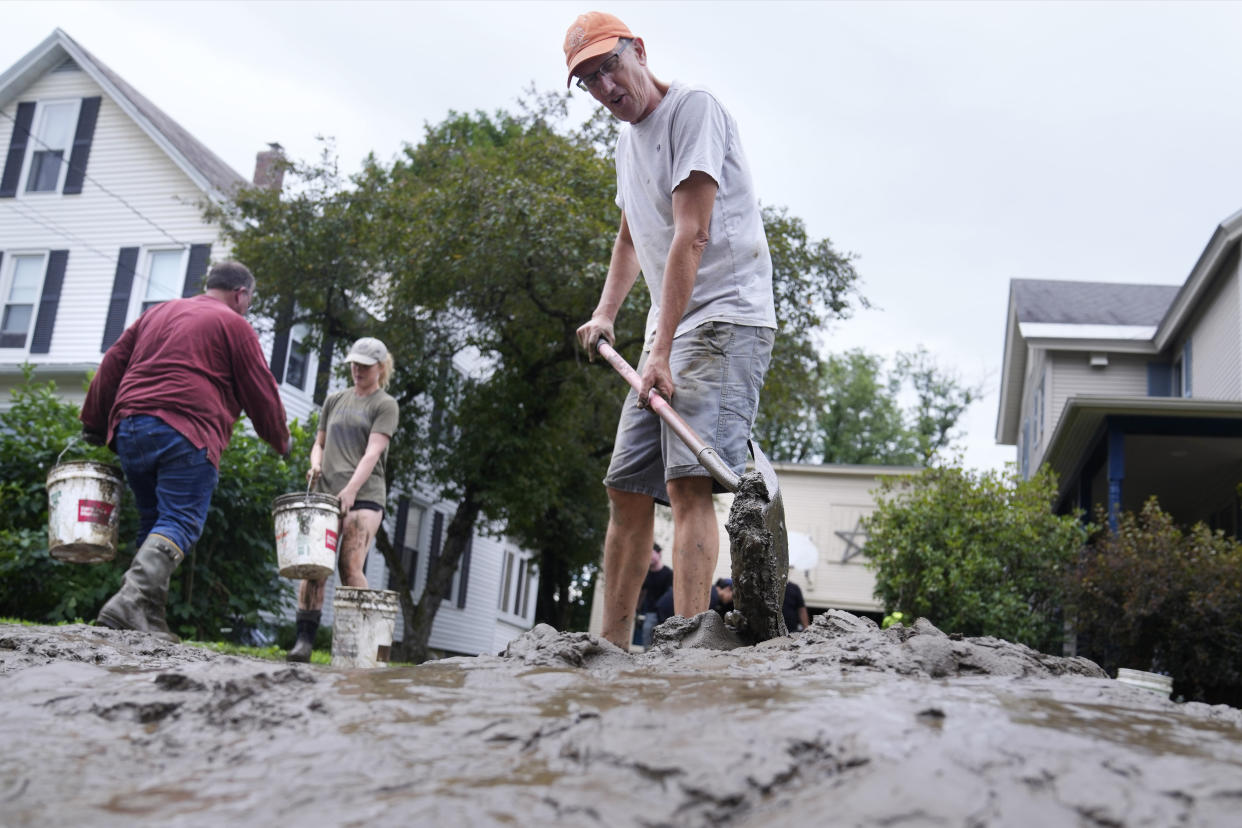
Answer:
(1116, 472)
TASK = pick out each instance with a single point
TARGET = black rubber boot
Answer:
(308, 625)
(139, 603)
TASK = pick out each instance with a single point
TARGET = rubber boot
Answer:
(308, 625)
(139, 603)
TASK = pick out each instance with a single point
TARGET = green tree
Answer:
(1154, 596)
(228, 581)
(977, 553)
(856, 416)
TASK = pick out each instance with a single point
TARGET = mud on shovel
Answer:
(758, 539)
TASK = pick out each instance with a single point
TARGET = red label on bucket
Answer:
(94, 511)
(329, 540)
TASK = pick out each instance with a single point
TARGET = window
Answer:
(299, 360)
(515, 583)
(21, 297)
(51, 141)
(1039, 414)
(165, 275)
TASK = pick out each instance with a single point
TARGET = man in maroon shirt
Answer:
(165, 399)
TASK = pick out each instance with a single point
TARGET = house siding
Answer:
(1216, 363)
(94, 225)
(1071, 375)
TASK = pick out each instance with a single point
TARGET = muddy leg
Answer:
(696, 543)
(357, 532)
(627, 554)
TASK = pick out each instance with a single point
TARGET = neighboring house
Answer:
(825, 505)
(100, 217)
(1128, 391)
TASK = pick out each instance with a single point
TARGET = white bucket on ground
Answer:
(308, 528)
(1147, 681)
(83, 511)
(362, 626)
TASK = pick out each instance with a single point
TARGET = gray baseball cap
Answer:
(367, 351)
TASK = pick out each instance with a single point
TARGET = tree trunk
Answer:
(552, 602)
(420, 617)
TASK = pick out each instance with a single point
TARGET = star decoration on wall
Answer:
(854, 541)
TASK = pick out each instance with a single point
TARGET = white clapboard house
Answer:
(100, 218)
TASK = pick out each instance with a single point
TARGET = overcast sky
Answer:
(951, 146)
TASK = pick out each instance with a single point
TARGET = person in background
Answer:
(165, 399)
(347, 460)
(794, 608)
(722, 596)
(659, 580)
(691, 225)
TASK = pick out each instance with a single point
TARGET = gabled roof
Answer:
(1090, 303)
(208, 171)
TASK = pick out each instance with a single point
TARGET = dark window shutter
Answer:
(464, 577)
(280, 355)
(1159, 379)
(118, 305)
(196, 269)
(17, 149)
(82, 138)
(53, 280)
(437, 530)
(398, 533)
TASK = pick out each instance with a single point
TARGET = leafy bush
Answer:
(228, 582)
(976, 553)
(1155, 597)
(34, 431)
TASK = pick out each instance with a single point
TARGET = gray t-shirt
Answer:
(347, 422)
(690, 130)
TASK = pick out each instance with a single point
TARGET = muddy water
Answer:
(844, 724)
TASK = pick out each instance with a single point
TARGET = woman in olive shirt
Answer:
(347, 460)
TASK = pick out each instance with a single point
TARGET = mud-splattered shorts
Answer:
(718, 369)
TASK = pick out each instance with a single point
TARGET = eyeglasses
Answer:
(588, 82)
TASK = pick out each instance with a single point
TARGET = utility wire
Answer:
(29, 213)
(134, 209)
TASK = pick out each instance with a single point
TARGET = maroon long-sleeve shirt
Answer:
(196, 364)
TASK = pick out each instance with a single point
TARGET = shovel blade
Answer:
(759, 551)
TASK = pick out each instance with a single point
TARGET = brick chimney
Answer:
(268, 172)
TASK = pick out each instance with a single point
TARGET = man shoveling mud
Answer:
(165, 399)
(690, 223)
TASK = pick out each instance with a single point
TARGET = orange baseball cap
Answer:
(591, 35)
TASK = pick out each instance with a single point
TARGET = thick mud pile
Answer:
(844, 724)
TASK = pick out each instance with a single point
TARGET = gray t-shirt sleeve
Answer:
(700, 137)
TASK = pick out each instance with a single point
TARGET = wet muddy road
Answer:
(844, 724)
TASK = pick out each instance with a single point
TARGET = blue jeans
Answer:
(172, 480)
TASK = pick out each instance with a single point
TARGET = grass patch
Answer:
(272, 653)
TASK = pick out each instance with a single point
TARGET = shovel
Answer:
(758, 540)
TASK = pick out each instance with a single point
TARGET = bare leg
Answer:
(357, 532)
(310, 595)
(696, 543)
(627, 554)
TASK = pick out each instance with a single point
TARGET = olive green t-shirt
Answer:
(347, 422)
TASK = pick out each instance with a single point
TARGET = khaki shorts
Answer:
(718, 369)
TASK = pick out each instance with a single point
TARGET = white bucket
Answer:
(83, 511)
(1147, 681)
(308, 527)
(362, 626)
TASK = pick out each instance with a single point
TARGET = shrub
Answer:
(1156, 597)
(976, 553)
